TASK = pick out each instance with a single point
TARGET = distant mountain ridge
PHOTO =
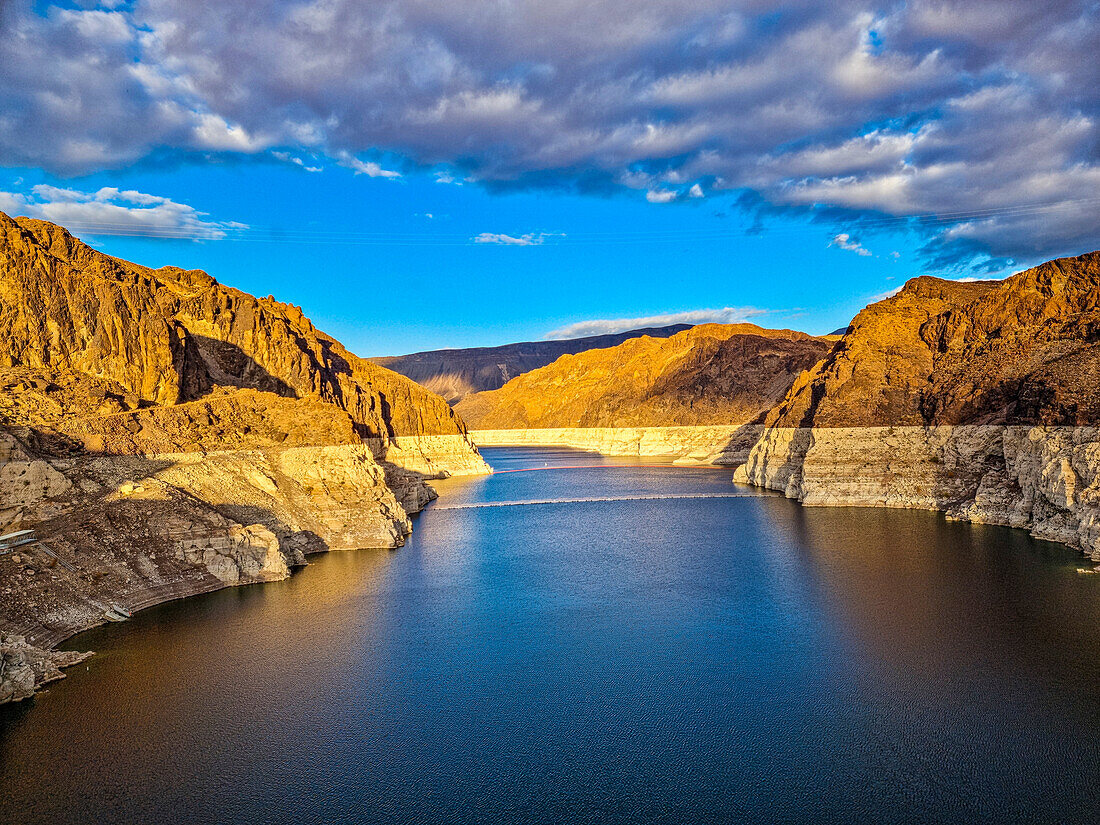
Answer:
(456, 373)
(708, 374)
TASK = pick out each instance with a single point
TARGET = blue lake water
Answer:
(684, 661)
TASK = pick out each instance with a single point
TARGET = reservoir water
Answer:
(684, 660)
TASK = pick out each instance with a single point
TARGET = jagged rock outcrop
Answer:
(456, 373)
(978, 399)
(709, 374)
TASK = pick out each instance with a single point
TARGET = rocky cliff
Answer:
(456, 373)
(163, 435)
(709, 374)
(978, 399)
(1025, 350)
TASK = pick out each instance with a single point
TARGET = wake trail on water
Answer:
(539, 502)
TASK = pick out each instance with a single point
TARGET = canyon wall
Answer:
(978, 399)
(157, 337)
(1039, 478)
(162, 435)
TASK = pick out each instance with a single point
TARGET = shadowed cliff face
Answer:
(457, 373)
(170, 335)
(1025, 350)
(709, 374)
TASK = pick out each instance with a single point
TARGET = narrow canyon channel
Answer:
(695, 658)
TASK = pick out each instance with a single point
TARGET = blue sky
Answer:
(364, 259)
(419, 175)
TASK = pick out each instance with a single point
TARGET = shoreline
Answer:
(139, 531)
(704, 444)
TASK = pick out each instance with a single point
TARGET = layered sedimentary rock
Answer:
(1043, 479)
(456, 373)
(710, 374)
(715, 444)
(979, 399)
(162, 435)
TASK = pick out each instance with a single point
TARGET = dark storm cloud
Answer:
(976, 120)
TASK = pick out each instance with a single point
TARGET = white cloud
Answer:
(528, 239)
(286, 157)
(214, 132)
(109, 211)
(725, 315)
(660, 196)
(846, 241)
(369, 168)
(882, 296)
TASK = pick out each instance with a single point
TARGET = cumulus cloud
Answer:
(660, 196)
(528, 239)
(109, 211)
(846, 241)
(971, 122)
(725, 315)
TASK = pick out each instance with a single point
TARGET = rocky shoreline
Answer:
(123, 533)
(706, 444)
(1039, 478)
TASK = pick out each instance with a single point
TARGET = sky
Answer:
(419, 175)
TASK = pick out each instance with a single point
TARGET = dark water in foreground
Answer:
(743, 660)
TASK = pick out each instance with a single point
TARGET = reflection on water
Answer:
(689, 660)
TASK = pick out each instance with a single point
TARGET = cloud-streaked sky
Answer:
(949, 136)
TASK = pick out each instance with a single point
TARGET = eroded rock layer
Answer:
(714, 444)
(1043, 479)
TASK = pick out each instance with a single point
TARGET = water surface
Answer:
(688, 660)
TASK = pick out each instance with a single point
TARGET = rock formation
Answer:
(979, 399)
(456, 373)
(25, 668)
(163, 435)
(162, 336)
(709, 374)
